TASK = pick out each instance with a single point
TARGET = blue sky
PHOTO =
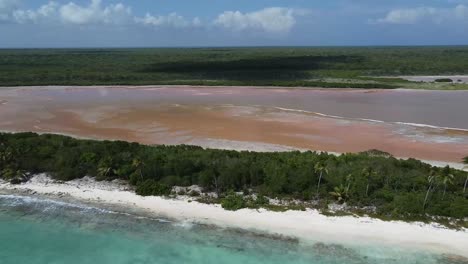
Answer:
(150, 23)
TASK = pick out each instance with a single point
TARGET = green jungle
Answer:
(327, 67)
(372, 183)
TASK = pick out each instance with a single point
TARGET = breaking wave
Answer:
(371, 120)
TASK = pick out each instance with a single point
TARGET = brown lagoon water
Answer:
(407, 123)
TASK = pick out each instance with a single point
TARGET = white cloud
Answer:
(6, 9)
(45, 12)
(416, 15)
(117, 14)
(461, 11)
(408, 16)
(6, 5)
(75, 14)
(196, 22)
(95, 14)
(271, 20)
(171, 20)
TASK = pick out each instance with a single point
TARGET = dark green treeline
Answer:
(404, 189)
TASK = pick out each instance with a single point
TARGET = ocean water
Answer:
(44, 231)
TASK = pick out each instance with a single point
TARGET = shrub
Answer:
(376, 153)
(172, 180)
(233, 202)
(68, 174)
(458, 208)
(152, 188)
(262, 200)
(135, 178)
(194, 193)
(443, 80)
(297, 207)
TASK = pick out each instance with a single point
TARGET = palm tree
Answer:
(103, 171)
(349, 179)
(105, 167)
(8, 173)
(430, 180)
(465, 161)
(446, 179)
(320, 168)
(15, 176)
(466, 180)
(138, 164)
(368, 172)
(6, 155)
(340, 193)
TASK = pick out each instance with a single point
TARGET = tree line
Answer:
(312, 67)
(403, 189)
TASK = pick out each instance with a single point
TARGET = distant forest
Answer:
(353, 67)
(374, 181)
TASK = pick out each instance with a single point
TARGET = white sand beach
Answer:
(307, 225)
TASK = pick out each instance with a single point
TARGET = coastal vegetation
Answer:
(372, 181)
(442, 80)
(341, 67)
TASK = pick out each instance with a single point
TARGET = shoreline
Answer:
(185, 86)
(307, 225)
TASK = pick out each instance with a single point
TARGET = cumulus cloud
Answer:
(461, 12)
(271, 20)
(94, 13)
(71, 13)
(45, 12)
(6, 9)
(408, 16)
(171, 20)
(416, 15)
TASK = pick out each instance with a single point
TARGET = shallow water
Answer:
(37, 230)
(428, 125)
(435, 108)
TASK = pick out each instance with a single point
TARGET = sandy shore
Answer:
(307, 225)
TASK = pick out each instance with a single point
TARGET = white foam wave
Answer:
(16, 200)
(184, 224)
(51, 205)
(431, 126)
(371, 120)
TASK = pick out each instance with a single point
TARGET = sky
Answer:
(198, 23)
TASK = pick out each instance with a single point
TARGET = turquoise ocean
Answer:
(36, 230)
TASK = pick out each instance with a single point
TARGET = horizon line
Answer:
(227, 46)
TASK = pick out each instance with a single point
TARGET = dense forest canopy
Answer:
(353, 67)
(406, 189)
